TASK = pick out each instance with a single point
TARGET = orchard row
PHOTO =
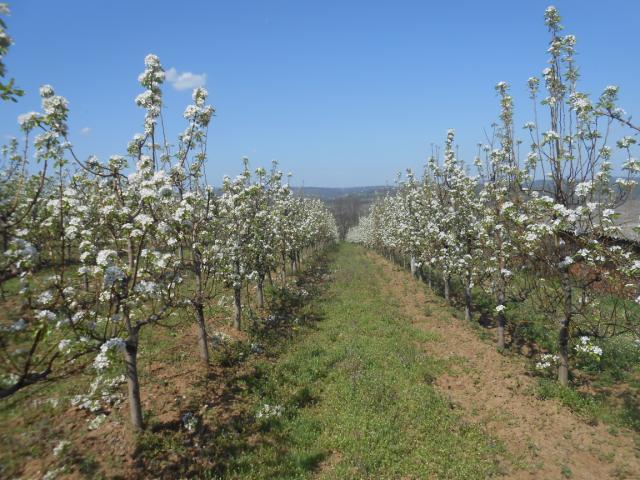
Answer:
(95, 252)
(538, 235)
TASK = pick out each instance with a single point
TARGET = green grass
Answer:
(357, 397)
(594, 407)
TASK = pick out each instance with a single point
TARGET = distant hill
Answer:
(331, 193)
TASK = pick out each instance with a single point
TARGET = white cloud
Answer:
(185, 80)
(85, 131)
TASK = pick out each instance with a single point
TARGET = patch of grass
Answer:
(577, 402)
(357, 399)
(566, 472)
(594, 408)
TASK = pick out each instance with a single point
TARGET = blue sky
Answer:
(342, 93)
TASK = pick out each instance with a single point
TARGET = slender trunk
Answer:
(237, 305)
(284, 269)
(563, 334)
(429, 279)
(467, 297)
(130, 253)
(204, 345)
(270, 278)
(500, 291)
(260, 291)
(133, 384)
(446, 279)
(414, 267)
(501, 318)
(237, 299)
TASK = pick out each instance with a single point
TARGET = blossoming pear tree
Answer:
(577, 190)
(550, 221)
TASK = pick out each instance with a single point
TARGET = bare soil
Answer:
(545, 440)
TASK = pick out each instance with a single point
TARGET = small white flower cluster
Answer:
(96, 422)
(270, 411)
(102, 361)
(103, 393)
(53, 474)
(567, 261)
(112, 275)
(61, 448)
(17, 326)
(586, 347)
(105, 257)
(547, 360)
(190, 422)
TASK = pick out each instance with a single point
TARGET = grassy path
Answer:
(357, 396)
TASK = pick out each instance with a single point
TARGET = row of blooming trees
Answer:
(94, 252)
(539, 229)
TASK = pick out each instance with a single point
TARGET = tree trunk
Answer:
(130, 253)
(203, 342)
(500, 288)
(467, 297)
(133, 384)
(500, 297)
(237, 304)
(563, 334)
(260, 291)
(284, 269)
(414, 267)
(237, 298)
(447, 287)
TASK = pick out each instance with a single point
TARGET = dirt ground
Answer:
(544, 439)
